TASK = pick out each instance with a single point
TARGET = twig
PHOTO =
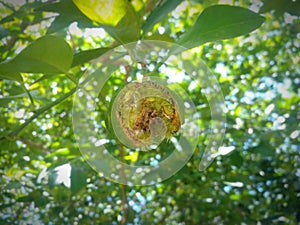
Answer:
(34, 144)
(38, 113)
(28, 93)
(162, 220)
(123, 187)
(72, 78)
(125, 204)
(128, 71)
(19, 212)
(122, 172)
(8, 6)
(12, 41)
(73, 45)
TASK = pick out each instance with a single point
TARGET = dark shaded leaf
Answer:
(61, 193)
(296, 185)
(236, 159)
(13, 185)
(220, 22)
(295, 29)
(31, 196)
(41, 201)
(78, 178)
(85, 56)
(3, 206)
(279, 6)
(294, 8)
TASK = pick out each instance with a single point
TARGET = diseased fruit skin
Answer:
(145, 110)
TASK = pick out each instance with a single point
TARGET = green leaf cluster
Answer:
(252, 49)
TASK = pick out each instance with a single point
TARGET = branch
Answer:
(37, 114)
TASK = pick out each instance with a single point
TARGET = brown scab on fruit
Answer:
(139, 104)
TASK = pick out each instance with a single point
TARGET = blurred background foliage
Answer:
(44, 179)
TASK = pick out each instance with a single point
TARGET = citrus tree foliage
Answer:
(252, 48)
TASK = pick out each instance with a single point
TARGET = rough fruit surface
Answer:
(146, 112)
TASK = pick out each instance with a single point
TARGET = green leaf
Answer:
(264, 149)
(78, 178)
(128, 29)
(68, 13)
(117, 17)
(159, 13)
(59, 152)
(48, 54)
(220, 22)
(235, 197)
(85, 56)
(9, 75)
(66, 152)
